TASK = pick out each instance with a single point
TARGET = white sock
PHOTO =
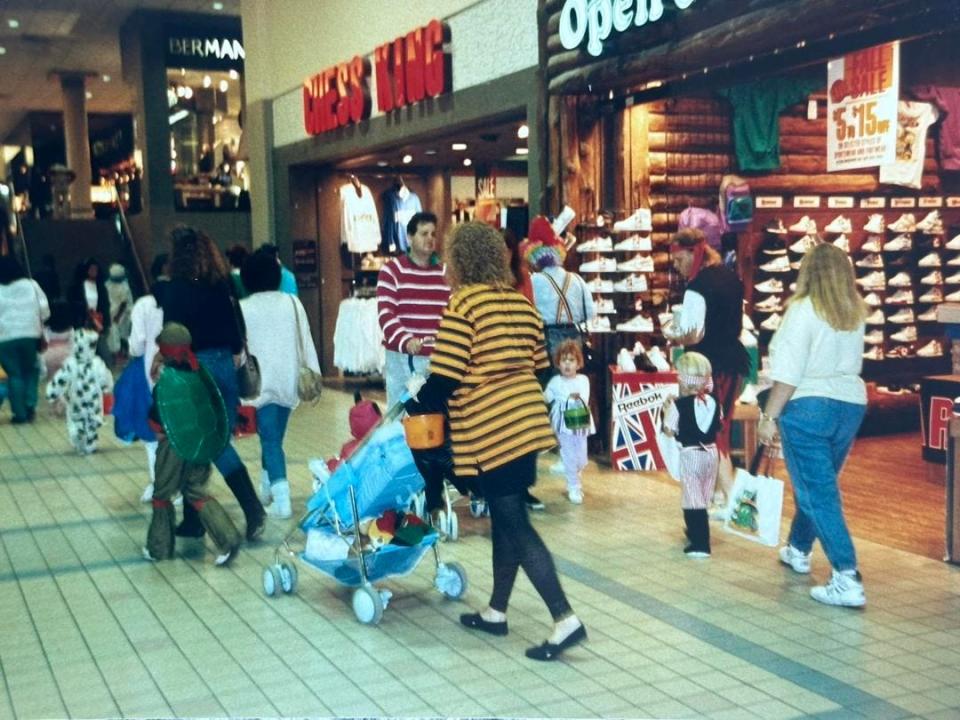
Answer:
(563, 628)
(491, 615)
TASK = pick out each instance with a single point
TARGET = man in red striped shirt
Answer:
(412, 293)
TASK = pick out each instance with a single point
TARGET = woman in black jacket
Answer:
(90, 303)
(199, 296)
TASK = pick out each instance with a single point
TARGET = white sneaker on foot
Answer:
(798, 561)
(557, 468)
(576, 496)
(147, 495)
(844, 589)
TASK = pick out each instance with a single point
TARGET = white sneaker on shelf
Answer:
(929, 260)
(873, 300)
(775, 227)
(954, 261)
(777, 250)
(953, 279)
(902, 316)
(600, 244)
(659, 360)
(625, 361)
(631, 284)
(600, 265)
(934, 295)
(876, 318)
(600, 286)
(839, 224)
(908, 334)
(873, 260)
(599, 324)
(901, 279)
(900, 242)
(843, 243)
(769, 305)
(640, 221)
(844, 589)
(875, 225)
(953, 297)
(934, 278)
(772, 322)
(900, 297)
(872, 245)
(605, 306)
(928, 316)
(931, 224)
(954, 244)
(874, 337)
(779, 264)
(803, 244)
(932, 349)
(640, 263)
(769, 286)
(804, 225)
(906, 223)
(874, 353)
(798, 561)
(873, 281)
(634, 243)
(638, 323)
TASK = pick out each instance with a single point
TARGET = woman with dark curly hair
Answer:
(483, 369)
(199, 297)
(90, 303)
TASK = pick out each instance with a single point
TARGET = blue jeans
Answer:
(219, 363)
(271, 426)
(817, 436)
(397, 371)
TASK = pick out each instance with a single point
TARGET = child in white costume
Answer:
(568, 394)
(83, 379)
(695, 419)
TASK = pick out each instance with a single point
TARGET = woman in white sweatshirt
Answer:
(278, 335)
(23, 310)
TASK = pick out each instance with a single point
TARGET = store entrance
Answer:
(364, 202)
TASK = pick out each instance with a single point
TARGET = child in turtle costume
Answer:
(190, 422)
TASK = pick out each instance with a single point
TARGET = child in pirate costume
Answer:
(694, 420)
(174, 474)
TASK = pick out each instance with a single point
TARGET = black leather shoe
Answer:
(549, 651)
(475, 622)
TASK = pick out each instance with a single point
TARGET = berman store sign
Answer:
(213, 50)
(593, 21)
(408, 70)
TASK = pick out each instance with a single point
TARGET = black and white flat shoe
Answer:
(474, 621)
(549, 651)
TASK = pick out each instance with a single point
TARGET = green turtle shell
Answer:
(193, 414)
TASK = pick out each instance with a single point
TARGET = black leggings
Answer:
(516, 544)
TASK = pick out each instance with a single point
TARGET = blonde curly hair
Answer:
(476, 254)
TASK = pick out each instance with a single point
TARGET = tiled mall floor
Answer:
(88, 629)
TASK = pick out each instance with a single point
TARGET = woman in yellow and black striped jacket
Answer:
(483, 370)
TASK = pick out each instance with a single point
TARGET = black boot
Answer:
(688, 523)
(191, 527)
(698, 525)
(242, 489)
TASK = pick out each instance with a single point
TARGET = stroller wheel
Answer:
(451, 580)
(288, 577)
(453, 527)
(271, 580)
(367, 605)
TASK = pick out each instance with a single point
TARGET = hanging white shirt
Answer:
(359, 221)
(913, 121)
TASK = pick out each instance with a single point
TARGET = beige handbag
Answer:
(309, 382)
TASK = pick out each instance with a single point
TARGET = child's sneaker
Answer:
(146, 555)
(691, 552)
(225, 558)
(798, 561)
(534, 503)
(575, 495)
(844, 589)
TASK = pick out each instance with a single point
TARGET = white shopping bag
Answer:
(755, 505)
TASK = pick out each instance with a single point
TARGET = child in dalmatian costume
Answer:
(83, 380)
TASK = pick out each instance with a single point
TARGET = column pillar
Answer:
(76, 134)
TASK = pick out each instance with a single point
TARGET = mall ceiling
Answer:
(40, 36)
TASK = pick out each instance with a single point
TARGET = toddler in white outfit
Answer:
(568, 395)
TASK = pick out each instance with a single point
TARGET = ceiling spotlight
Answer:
(3, 50)
(89, 95)
(523, 151)
(407, 159)
(458, 146)
(207, 81)
(13, 23)
(234, 75)
(218, 6)
(382, 163)
(467, 162)
(187, 92)
(224, 86)
(105, 78)
(429, 152)
(523, 132)
(180, 90)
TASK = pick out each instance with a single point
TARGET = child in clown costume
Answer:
(694, 420)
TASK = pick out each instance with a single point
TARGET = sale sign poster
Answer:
(862, 93)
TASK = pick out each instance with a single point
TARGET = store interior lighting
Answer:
(430, 152)
(3, 50)
(523, 132)
(458, 146)
(105, 77)
(467, 162)
(407, 159)
(207, 81)
(224, 86)
(523, 151)
(13, 23)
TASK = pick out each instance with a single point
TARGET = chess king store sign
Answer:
(406, 70)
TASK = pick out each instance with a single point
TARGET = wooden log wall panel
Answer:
(581, 140)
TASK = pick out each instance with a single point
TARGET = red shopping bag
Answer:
(246, 421)
(108, 403)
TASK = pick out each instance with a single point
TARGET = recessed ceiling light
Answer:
(407, 159)
(224, 86)
(3, 50)
(188, 92)
(89, 95)
(467, 162)
(207, 81)
(218, 6)
(523, 132)
(429, 152)
(382, 163)
(234, 75)
(105, 78)
(523, 151)
(13, 23)
(458, 146)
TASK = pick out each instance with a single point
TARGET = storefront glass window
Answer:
(207, 159)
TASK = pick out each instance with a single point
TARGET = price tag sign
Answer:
(873, 203)
(862, 92)
(953, 201)
(903, 202)
(840, 202)
(806, 201)
(769, 202)
(931, 202)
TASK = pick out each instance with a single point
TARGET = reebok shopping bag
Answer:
(755, 505)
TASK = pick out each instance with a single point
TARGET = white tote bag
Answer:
(755, 505)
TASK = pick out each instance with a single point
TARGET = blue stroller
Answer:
(380, 475)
